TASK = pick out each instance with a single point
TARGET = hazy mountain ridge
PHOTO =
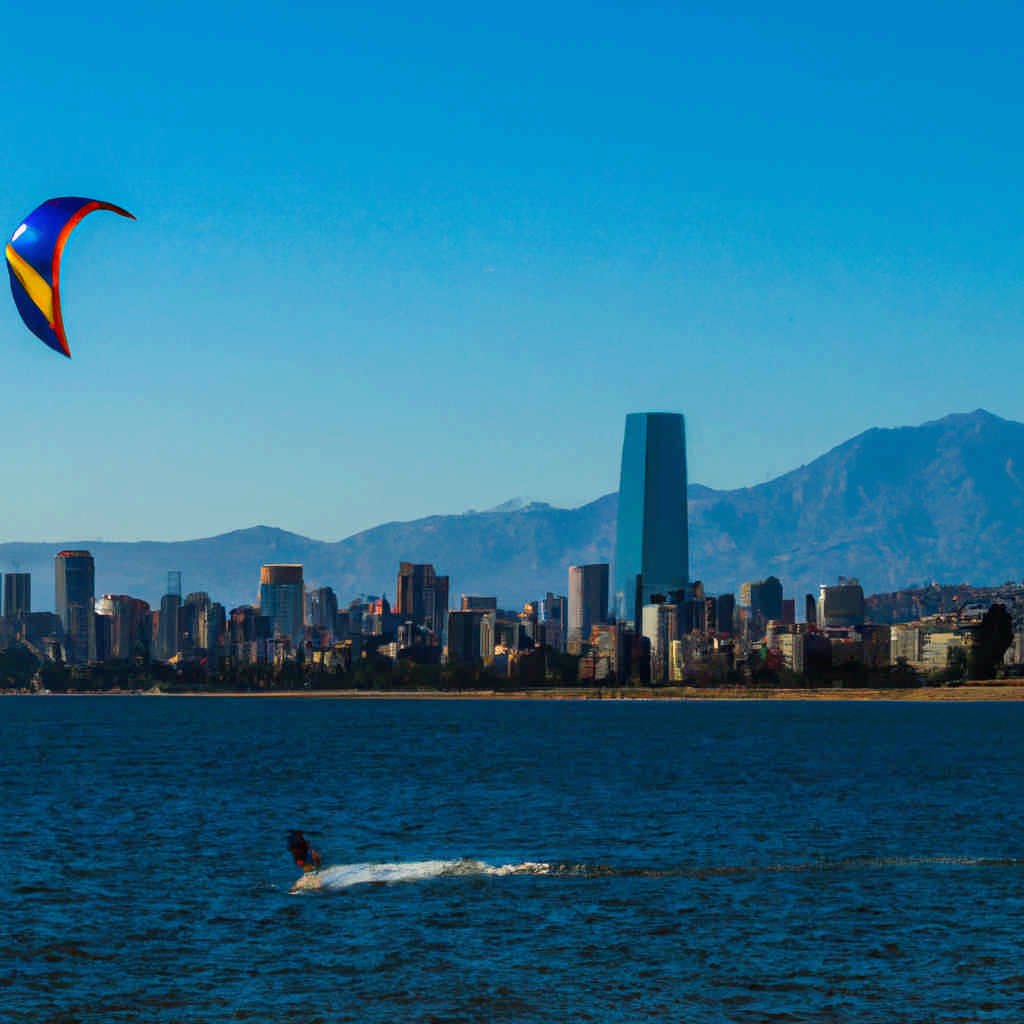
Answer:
(891, 506)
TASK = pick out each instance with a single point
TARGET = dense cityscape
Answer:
(650, 624)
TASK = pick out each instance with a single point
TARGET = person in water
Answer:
(305, 856)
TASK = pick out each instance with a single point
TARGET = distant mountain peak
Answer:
(518, 505)
(940, 501)
(261, 533)
(978, 417)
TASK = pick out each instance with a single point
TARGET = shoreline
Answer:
(986, 691)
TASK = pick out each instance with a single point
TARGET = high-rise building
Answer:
(422, 597)
(725, 608)
(193, 621)
(169, 631)
(763, 598)
(588, 599)
(841, 605)
(660, 625)
(473, 603)
(282, 599)
(651, 542)
(322, 612)
(216, 627)
(554, 620)
(125, 621)
(75, 586)
(471, 637)
(17, 593)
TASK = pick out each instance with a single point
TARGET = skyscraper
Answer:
(192, 620)
(651, 542)
(75, 585)
(322, 610)
(841, 605)
(169, 633)
(763, 598)
(17, 593)
(127, 626)
(588, 599)
(282, 599)
(471, 637)
(660, 624)
(422, 596)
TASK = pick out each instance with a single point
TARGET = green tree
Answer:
(17, 666)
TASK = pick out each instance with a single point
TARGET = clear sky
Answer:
(391, 262)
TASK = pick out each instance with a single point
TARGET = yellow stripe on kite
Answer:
(38, 290)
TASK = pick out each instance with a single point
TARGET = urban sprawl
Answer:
(648, 624)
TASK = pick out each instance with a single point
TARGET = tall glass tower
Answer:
(282, 599)
(74, 580)
(651, 541)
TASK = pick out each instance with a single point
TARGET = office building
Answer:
(168, 635)
(74, 584)
(651, 542)
(660, 626)
(122, 627)
(192, 624)
(282, 599)
(588, 599)
(17, 594)
(725, 609)
(553, 621)
(763, 599)
(322, 610)
(422, 597)
(216, 627)
(471, 637)
(841, 605)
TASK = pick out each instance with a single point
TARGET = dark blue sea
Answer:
(511, 861)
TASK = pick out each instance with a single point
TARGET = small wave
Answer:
(344, 876)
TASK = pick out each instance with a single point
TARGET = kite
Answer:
(33, 260)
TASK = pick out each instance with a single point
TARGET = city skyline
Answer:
(775, 210)
(943, 476)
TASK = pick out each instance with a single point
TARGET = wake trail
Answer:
(345, 876)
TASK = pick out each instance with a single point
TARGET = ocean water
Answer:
(510, 861)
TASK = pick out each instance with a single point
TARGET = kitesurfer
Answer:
(305, 856)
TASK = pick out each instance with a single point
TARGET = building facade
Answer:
(126, 626)
(763, 598)
(841, 605)
(660, 625)
(17, 594)
(75, 587)
(422, 597)
(588, 599)
(282, 600)
(322, 612)
(651, 542)
(471, 637)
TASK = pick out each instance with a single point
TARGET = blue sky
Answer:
(404, 261)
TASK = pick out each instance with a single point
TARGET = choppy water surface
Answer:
(510, 861)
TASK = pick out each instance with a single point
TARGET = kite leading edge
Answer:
(33, 261)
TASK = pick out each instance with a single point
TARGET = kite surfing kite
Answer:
(33, 260)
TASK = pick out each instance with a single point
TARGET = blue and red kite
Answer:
(33, 260)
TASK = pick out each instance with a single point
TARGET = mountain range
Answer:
(893, 507)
